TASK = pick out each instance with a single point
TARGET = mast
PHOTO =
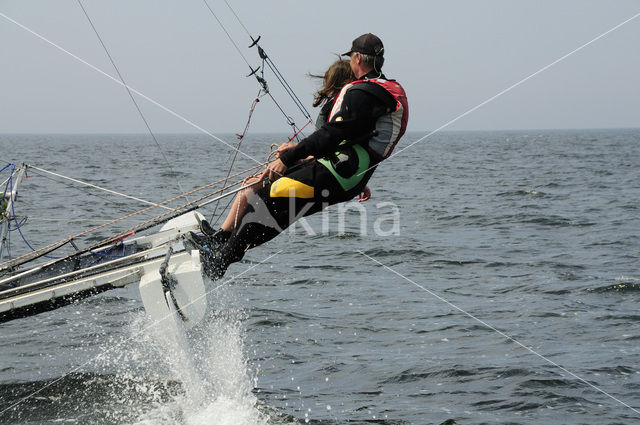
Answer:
(7, 214)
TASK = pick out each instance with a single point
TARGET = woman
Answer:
(334, 79)
(337, 76)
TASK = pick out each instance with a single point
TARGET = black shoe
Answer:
(206, 228)
(196, 240)
(220, 237)
(211, 258)
(214, 241)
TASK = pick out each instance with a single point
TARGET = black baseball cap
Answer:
(367, 44)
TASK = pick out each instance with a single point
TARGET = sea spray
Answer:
(207, 365)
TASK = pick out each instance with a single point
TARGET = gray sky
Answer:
(450, 55)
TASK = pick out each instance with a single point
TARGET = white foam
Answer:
(628, 278)
(212, 372)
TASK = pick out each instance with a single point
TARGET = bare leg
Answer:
(238, 207)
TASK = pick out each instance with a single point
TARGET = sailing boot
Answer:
(211, 256)
(214, 239)
(206, 228)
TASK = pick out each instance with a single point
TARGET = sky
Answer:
(450, 55)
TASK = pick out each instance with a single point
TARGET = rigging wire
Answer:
(95, 186)
(6, 182)
(11, 167)
(285, 84)
(189, 206)
(146, 123)
(263, 81)
(143, 226)
(235, 155)
(259, 74)
(270, 64)
(237, 17)
(41, 172)
(5, 214)
(104, 198)
(11, 215)
(109, 76)
(15, 218)
(228, 35)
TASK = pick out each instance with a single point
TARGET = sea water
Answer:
(490, 279)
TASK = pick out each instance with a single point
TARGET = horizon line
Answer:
(24, 133)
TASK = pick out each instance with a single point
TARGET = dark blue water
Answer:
(532, 234)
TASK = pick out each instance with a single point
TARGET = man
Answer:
(366, 121)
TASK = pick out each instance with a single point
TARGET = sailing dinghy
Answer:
(169, 276)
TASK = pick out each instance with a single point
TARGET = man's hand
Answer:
(274, 170)
(365, 195)
(283, 147)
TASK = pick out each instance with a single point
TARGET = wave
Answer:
(624, 284)
(524, 192)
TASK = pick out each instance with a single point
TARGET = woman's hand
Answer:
(250, 179)
(365, 195)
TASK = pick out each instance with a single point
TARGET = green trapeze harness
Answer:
(348, 183)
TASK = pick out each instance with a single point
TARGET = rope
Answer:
(300, 131)
(190, 206)
(106, 254)
(287, 87)
(235, 154)
(270, 158)
(45, 250)
(18, 227)
(238, 18)
(226, 207)
(6, 183)
(4, 168)
(13, 216)
(5, 214)
(264, 89)
(253, 108)
(67, 220)
(8, 186)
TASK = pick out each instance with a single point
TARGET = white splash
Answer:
(216, 387)
(628, 278)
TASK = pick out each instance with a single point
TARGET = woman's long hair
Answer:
(337, 76)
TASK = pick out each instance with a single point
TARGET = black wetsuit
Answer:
(308, 188)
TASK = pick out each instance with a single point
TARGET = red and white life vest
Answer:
(391, 126)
